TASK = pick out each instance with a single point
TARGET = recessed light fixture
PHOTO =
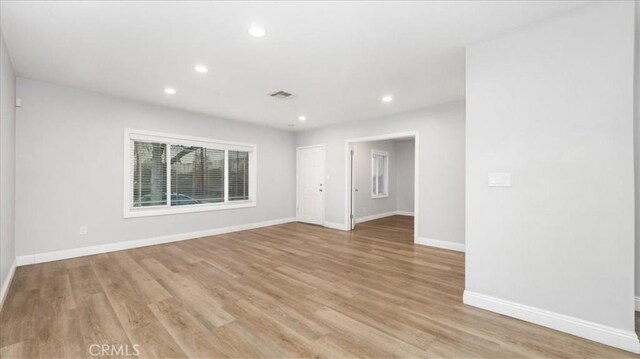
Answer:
(170, 91)
(201, 69)
(257, 31)
(302, 118)
(387, 98)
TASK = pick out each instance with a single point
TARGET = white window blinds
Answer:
(167, 174)
(238, 175)
(149, 179)
(197, 175)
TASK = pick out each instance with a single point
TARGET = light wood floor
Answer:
(286, 291)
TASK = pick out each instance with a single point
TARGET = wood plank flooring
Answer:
(285, 291)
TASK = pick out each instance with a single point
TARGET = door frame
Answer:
(324, 187)
(348, 206)
(351, 220)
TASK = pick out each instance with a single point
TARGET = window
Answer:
(149, 169)
(167, 174)
(197, 175)
(379, 174)
(238, 175)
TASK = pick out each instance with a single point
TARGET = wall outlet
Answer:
(83, 230)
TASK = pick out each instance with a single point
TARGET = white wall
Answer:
(553, 105)
(364, 205)
(70, 169)
(405, 175)
(7, 164)
(441, 189)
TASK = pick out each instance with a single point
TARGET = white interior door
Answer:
(310, 184)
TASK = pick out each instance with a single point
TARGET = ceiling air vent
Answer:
(282, 95)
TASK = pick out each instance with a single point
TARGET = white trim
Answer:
(344, 227)
(438, 243)
(7, 282)
(189, 209)
(190, 140)
(404, 213)
(375, 216)
(416, 187)
(339, 226)
(626, 340)
(310, 146)
(348, 187)
(324, 188)
(118, 246)
(637, 304)
(351, 217)
(172, 139)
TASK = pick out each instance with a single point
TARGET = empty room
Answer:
(326, 179)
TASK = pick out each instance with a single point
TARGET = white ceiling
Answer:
(338, 58)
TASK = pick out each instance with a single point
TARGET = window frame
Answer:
(131, 135)
(385, 154)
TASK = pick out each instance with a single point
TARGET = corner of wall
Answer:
(6, 282)
(7, 169)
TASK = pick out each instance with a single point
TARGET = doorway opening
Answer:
(382, 183)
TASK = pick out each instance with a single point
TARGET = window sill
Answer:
(378, 196)
(149, 212)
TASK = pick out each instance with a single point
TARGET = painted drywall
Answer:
(70, 169)
(364, 205)
(405, 174)
(7, 163)
(442, 149)
(553, 105)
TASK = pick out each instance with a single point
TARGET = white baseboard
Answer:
(454, 246)
(383, 215)
(339, 226)
(637, 304)
(627, 340)
(118, 246)
(7, 282)
(404, 213)
(374, 217)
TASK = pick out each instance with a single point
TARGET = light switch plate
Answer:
(499, 179)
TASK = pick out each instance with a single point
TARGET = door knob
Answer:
(320, 190)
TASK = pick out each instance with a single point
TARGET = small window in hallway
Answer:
(379, 174)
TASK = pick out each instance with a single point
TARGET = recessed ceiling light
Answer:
(201, 69)
(302, 118)
(170, 91)
(257, 31)
(387, 98)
